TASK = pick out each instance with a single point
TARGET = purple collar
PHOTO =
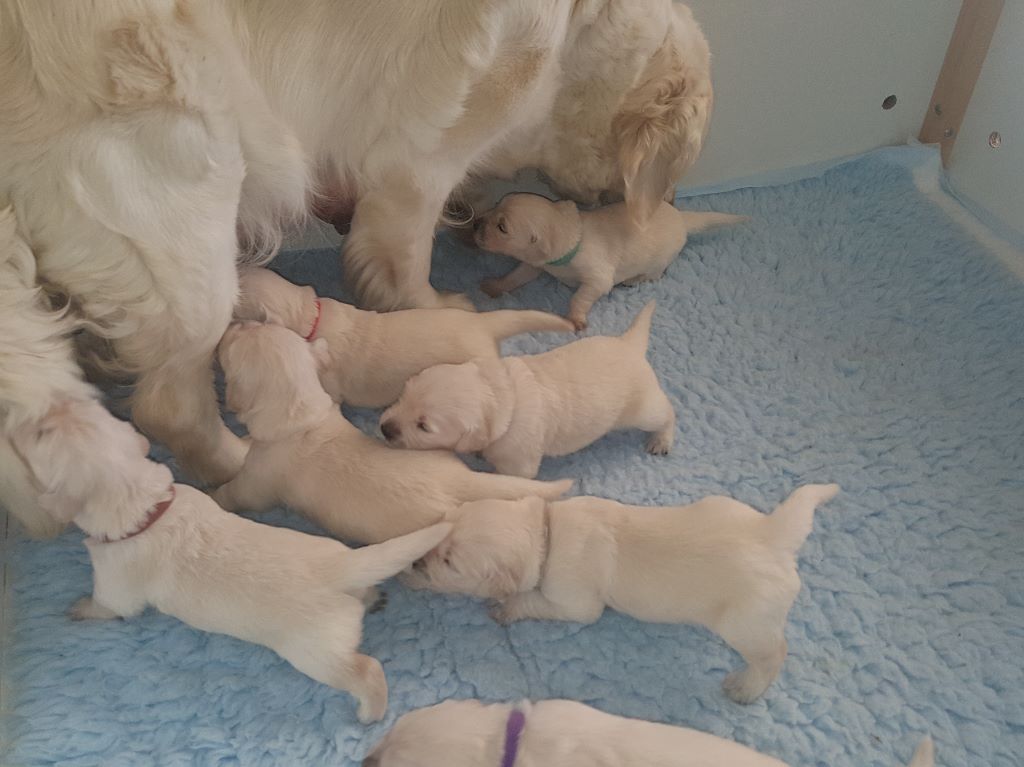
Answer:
(513, 729)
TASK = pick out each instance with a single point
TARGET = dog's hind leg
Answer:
(358, 674)
(761, 642)
(655, 414)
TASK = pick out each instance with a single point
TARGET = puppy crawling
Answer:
(559, 733)
(594, 250)
(516, 410)
(370, 356)
(717, 563)
(168, 545)
(306, 455)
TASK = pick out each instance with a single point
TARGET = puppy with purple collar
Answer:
(559, 733)
(591, 250)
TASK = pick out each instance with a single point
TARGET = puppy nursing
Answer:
(594, 250)
(156, 543)
(559, 733)
(516, 410)
(370, 355)
(306, 455)
(717, 563)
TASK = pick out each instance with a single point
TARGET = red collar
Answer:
(151, 516)
(316, 322)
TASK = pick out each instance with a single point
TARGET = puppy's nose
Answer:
(419, 564)
(390, 430)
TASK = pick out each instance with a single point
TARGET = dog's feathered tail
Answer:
(505, 323)
(924, 755)
(506, 488)
(370, 565)
(792, 520)
(701, 221)
(639, 332)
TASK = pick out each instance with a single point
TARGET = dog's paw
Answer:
(375, 600)
(578, 322)
(659, 444)
(500, 614)
(87, 609)
(456, 301)
(743, 687)
(492, 288)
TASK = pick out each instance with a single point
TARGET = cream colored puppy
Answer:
(717, 563)
(516, 410)
(306, 455)
(559, 733)
(156, 543)
(591, 250)
(370, 355)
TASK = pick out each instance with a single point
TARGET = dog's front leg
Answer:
(533, 605)
(387, 254)
(88, 609)
(514, 280)
(584, 298)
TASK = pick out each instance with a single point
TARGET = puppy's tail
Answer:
(505, 488)
(505, 323)
(924, 755)
(792, 520)
(640, 331)
(699, 221)
(370, 565)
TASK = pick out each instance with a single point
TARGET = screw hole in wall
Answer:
(889, 101)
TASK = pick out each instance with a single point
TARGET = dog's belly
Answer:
(335, 203)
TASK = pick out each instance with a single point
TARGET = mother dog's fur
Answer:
(136, 134)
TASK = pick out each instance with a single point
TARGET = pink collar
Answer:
(151, 516)
(316, 322)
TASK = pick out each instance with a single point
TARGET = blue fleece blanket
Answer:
(850, 333)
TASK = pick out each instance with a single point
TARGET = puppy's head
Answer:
(272, 379)
(523, 226)
(455, 733)
(265, 296)
(444, 407)
(84, 461)
(493, 551)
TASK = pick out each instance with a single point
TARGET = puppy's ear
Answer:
(321, 353)
(660, 129)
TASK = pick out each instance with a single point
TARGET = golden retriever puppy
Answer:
(370, 355)
(306, 455)
(559, 733)
(156, 543)
(590, 250)
(717, 563)
(516, 410)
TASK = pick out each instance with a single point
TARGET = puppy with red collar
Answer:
(168, 545)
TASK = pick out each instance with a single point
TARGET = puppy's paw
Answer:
(501, 614)
(456, 301)
(87, 609)
(578, 322)
(659, 444)
(375, 600)
(744, 686)
(492, 288)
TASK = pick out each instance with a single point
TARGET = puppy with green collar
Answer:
(592, 250)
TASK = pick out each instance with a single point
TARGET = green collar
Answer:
(564, 260)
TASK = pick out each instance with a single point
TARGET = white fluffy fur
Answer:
(370, 356)
(717, 563)
(306, 455)
(468, 733)
(516, 410)
(139, 138)
(609, 248)
(298, 594)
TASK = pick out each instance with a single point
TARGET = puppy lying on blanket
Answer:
(594, 250)
(156, 543)
(558, 733)
(717, 563)
(516, 410)
(306, 455)
(370, 356)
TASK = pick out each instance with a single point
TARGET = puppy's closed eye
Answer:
(422, 425)
(502, 226)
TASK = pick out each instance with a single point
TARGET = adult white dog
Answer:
(371, 355)
(559, 733)
(139, 138)
(516, 410)
(306, 455)
(168, 545)
(717, 563)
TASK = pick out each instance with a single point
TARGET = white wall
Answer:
(994, 178)
(800, 81)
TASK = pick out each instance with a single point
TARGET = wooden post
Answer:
(960, 70)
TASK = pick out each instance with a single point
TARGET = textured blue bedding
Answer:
(849, 333)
